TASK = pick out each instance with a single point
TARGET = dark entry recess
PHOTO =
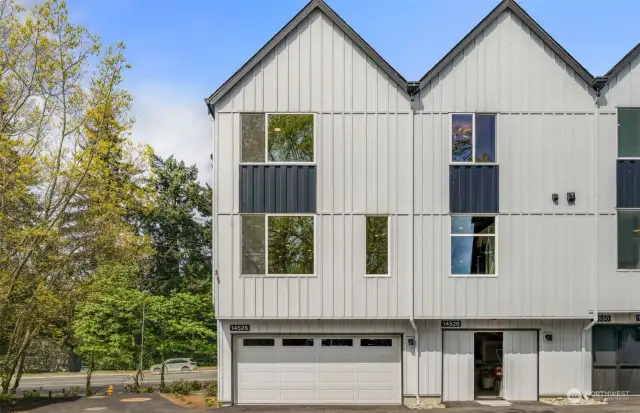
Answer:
(616, 358)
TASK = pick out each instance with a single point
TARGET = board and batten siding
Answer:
(564, 362)
(363, 158)
(545, 119)
(617, 289)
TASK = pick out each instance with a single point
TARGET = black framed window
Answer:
(376, 342)
(616, 358)
(258, 342)
(337, 342)
(297, 342)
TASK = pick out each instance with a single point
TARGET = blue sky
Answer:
(181, 51)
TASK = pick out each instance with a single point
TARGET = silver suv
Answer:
(174, 366)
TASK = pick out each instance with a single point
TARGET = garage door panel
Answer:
(520, 366)
(297, 395)
(337, 396)
(377, 396)
(258, 376)
(338, 358)
(260, 395)
(378, 377)
(297, 376)
(330, 374)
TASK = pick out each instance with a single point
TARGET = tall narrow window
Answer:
(629, 132)
(252, 137)
(473, 245)
(277, 245)
(377, 245)
(277, 138)
(473, 138)
(629, 239)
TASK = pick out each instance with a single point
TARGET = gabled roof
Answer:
(288, 28)
(628, 58)
(512, 6)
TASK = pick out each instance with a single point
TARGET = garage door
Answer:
(318, 370)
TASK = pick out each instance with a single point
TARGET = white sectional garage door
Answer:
(318, 370)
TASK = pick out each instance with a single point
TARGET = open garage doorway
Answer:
(488, 359)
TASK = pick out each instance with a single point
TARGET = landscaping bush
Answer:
(181, 387)
(73, 391)
(33, 394)
(212, 388)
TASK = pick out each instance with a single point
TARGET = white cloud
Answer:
(173, 122)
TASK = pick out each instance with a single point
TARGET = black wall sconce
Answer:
(548, 336)
(555, 198)
(571, 198)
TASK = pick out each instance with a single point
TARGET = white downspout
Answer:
(595, 281)
(412, 243)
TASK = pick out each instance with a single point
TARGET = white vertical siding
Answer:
(616, 288)
(458, 366)
(362, 152)
(545, 119)
(541, 269)
(520, 365)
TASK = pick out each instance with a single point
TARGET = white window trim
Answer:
(388, 273)
(473, 139)
(623, 158)
(496, 252)
(266, 138)
(266, 247)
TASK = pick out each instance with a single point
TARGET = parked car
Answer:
(174, 366)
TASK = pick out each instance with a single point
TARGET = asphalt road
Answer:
(57, 383)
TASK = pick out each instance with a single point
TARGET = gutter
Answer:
(598, 83)
(412, 89)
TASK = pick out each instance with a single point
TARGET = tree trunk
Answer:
(20, 370)
(74, 364)
(10, 370)
(87, 387)
(162, 372)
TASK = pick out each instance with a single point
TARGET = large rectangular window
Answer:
(629, 133)
(473, 245)
(284, 242)
(473, 138)
(629, 239)
(277, 138)
(377, 245)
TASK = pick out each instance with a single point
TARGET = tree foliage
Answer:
(179, 226)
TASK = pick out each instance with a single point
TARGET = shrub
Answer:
(147, 389)
(33, 394)
(181, 387)
(196, 385)
(210, 401)
(212, 388)
(73, 391)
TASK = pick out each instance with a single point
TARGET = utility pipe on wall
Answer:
(412, 95)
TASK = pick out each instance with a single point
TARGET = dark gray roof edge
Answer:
(286, 30)
(626, 59)
(512, 6)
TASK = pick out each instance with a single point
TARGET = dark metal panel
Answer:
(277, 189)
(628, 183)
(474, 188)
